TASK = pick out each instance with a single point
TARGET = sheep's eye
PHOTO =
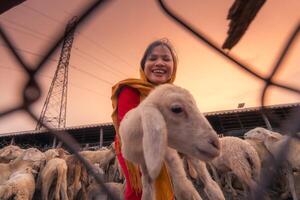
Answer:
(176, 109)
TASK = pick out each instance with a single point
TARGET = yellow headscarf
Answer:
(163, 185)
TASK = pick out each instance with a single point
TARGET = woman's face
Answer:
(159, 65)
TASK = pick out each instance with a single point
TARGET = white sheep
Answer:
(261, 150)
(274, 142)
(240, 158)
(31, 157)
(9, 153)
(255, 138)
(167, 118)
(20, 185)
(261, 134)
(77, 173)
(51, 153)
(16, 177)
(102, 156)
(54, 170)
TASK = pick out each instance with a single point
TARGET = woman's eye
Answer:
(152, 58)
(176, 109)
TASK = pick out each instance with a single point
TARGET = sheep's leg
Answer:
(242, 170)
(58, 183)
(284, 185)
(229, 184)
(21, 196)
(46, 184)
(248, 184)
(6, 191)
(148, 189)
(211, 188)
(75, 187)
(297, 182)
(63, 189)
(291, 182)
(215, 174)
(183, 188)
(84, 182)
(84, 193)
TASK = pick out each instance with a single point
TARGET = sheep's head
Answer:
(172, 110)
(257, 133)
(51, 153)
(34, 156)
(188, 130)
(261, 134)
(10, 152)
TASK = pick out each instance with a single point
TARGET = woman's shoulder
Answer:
(127, 85)
(128, 90)
(127, 81)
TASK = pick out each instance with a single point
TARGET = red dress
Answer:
(128, 98)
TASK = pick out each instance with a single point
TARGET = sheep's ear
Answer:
(272, 138)
(4, 153)
(27, 155)
(154, 139)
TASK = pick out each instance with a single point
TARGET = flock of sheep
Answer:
(54, 174)
(169, 131)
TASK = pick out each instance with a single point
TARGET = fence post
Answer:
(101, 137)
(54, 142)
(12, 142)
(265, 118)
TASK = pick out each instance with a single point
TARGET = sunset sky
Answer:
(109, 47)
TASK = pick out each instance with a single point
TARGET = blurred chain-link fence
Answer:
(31, 90)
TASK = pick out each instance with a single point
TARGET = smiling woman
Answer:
(158, 62)
(158, 66)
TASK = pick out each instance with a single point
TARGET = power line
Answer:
(92, 75)
(30, 52)
(71, 65)
(80, 34)
(103, 64)
(105, 49)
(43, 14)
(49, 77)
(34, 33)
(29, 33)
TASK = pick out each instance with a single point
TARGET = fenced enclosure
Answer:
(31, 91)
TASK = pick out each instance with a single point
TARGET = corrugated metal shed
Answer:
(227, 122)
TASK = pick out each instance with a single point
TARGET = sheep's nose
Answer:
(215, 143)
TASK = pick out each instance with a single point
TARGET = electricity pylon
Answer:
(54, 110)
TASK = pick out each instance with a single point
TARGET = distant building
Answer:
(227, 122)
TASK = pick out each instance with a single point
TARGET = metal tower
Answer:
(54, 110)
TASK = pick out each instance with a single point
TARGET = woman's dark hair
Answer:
(161, 42)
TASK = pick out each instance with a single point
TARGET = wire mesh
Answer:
(32, 91)
(291, 124)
